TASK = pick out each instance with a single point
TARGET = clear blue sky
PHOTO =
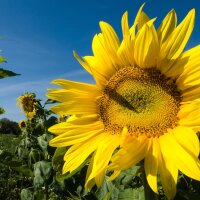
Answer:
(37, 38)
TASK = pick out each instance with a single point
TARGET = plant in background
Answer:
(3, 74)
(144, 108)
(26, 166)
(2, 111)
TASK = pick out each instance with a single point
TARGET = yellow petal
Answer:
(131, 153)
(176, 42)
(75, 86)
(191, 94)
(188, 109)
(59, 128)
(136, 21)
(126, 49)
(76, 107)
(84, 64)
(73, 123)
(102, 57)
(77, 154)
(83, 120)
(103, 155)
(167, 26)
(100, 178)
(98, 76)
(114, 175)
(168, 172)
(125, 26)
(146, 46)
(77, 135)
(110, 37)
(90, 183)
(180, 157)
(142, 19)
(188, 139)
(98, 72)
(189, 114)
(63, 95)
(151, 164)
(186, 64)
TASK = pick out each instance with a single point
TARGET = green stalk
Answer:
(46, 190)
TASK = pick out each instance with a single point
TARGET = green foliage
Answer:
(2, 111)
(42, 172)
(25, 159)
(26, 194)
(9, 127)
(6, 73)
(9, 142)
(127, 186)
(57, 160)
(24, 170)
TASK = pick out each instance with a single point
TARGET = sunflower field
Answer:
(132, 135)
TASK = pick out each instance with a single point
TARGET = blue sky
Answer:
(37, 38)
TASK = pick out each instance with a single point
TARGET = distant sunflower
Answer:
(22, 124)
(27, 103)
(145, 103)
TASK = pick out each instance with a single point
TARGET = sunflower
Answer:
(22, 124)
(27, 103)
(145, 104)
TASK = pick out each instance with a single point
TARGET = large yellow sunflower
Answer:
(145, 103)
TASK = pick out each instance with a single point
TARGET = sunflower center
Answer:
(143, 100)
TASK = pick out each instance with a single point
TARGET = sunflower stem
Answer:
(148, 193)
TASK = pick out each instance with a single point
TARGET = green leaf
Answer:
(26, 194)
(44, 167)
(50, 122)
(43, 141)
(126, 178)
(38, 180)
(107, 191)
(5, 156)
(39, 195)
(9, 142)
(24, 170)
(132, 194)
(42, 171)
(127, 186)
(2, 59)
(35, 155)
(50, 101)
(38, 130)
(57, 160)
(186, 195)
(2, 111)
(6, 73)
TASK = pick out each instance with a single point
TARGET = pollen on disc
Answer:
(143, 100)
